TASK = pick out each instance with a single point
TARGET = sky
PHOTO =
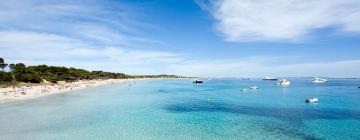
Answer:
(206, 38)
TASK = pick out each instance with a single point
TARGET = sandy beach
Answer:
(30, 92)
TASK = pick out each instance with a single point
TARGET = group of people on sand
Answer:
(60, 86)
(44, 88)
(47, 88)
(16, 91)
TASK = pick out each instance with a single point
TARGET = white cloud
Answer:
(43, 48)
(84, 34)
(282, 20)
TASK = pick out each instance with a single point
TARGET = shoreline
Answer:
(13, 94)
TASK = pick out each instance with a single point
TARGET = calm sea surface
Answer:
(180, 110)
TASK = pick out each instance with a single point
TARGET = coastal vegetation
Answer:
(15, 73)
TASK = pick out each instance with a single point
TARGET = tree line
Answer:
(36, 74)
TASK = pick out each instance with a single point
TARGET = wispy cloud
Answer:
(88, 34)
(43, 48)
(281, 20)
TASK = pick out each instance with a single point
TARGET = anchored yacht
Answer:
(268, 78)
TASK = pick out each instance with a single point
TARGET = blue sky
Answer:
(217, 38)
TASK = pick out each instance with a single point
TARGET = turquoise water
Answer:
(178, 109)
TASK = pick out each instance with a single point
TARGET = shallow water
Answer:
(178, 109)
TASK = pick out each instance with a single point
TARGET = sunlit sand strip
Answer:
(30, 92)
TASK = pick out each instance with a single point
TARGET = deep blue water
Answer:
(178, 109)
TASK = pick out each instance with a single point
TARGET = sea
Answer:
(177, 109)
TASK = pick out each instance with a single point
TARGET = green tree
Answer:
(12, 67)
(2, 64)
(19, 71)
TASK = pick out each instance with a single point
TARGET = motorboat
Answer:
(319, 80)
(268, 78)
(196, 81)
(284, 83)
(312, 100)
(254, 88)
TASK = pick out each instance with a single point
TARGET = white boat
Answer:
(312, 100)
(284, 83)
(244, 89)
(268, 78)
(319, 80)
(254, 88)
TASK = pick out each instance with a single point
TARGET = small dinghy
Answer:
(244, 89)
(254, 88)
(312, 100)
(284, 83)
(197, 81)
